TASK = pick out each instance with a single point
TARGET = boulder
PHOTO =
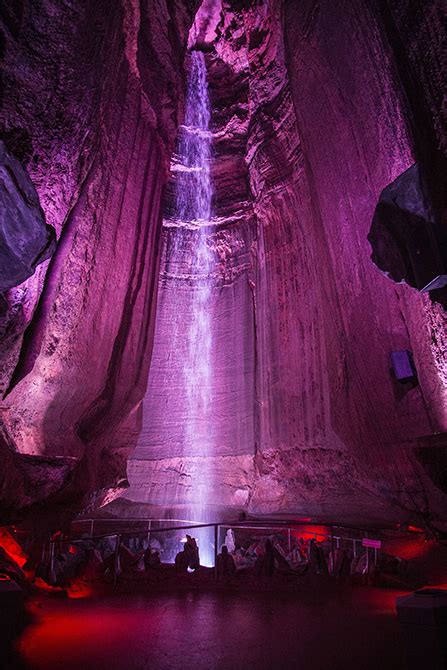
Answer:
(25, 239)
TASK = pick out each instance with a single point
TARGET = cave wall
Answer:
(330, 125)
(92, 96)
(317, 107)
(169, 466)
(330, 409)
(356, 136)
(416, 33)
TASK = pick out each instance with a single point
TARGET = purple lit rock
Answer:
(101, 101)
(312, 108)
(317, 114)
(25, 239)
(403, 233)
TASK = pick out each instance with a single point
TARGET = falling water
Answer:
(192, 208)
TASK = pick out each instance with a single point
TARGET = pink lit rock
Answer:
(103, 91)
(314, 116)
(325, 132)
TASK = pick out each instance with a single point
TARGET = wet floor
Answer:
(220, 630)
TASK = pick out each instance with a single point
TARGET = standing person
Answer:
(268, 567)
(314, 557)
(225, 563)
(147, 557)
(192, 551)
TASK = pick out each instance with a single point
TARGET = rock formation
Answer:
(26, 240)
(97, 89)
(318, 107)
(318, 116)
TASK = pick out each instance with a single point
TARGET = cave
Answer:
(223, 294)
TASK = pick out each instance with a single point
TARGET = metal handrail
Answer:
(270, 523)
(137, 533)
(130, 518)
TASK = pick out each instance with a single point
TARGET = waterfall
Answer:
(192, 211)
(193, 205)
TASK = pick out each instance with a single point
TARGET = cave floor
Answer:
(341, 629)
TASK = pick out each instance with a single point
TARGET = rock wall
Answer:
(329, 126)
(416, 34)
(353, 119)
(93, 93)
(26, 240)
(318, 106)
(167, 468)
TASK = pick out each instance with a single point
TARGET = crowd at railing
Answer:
(239, 548)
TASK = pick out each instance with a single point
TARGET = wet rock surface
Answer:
(260, 630)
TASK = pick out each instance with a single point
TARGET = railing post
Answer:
(52, 552)
(332, 552)
(216, 538)
(117, 559)
(289, 537)
(92, 522)
(149, 526)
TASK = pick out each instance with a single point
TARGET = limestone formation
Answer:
(317, 108)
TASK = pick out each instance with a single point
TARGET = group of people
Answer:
(264, 558)
(261, 557)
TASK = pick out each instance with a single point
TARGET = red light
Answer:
(310, 532)
(12, 548)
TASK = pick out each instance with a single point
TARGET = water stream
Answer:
(192, 209)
